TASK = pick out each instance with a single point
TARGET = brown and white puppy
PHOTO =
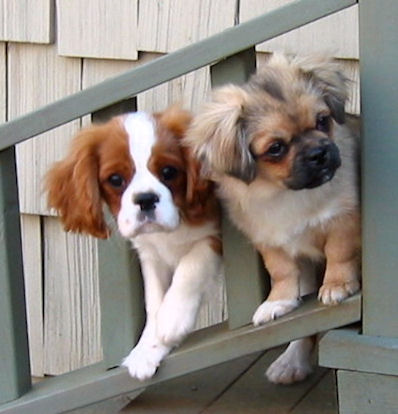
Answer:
(136, 165)
(284, 158)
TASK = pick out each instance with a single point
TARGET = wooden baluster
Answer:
(14, 360)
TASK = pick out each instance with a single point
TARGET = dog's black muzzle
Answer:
(315, 164)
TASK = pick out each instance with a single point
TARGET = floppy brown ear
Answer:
(73, 187)
(217, 135)
(178, 120)
(200, 198)
(197, 185)
(175, 119)
(327, 76)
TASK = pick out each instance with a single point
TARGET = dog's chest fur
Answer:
(289, 219)
(167, 248)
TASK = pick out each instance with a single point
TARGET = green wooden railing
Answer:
(231, 55)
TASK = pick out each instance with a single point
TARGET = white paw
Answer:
(286, 370)
(272, 309)
(334, 293)
(143, 361)
(175, 320)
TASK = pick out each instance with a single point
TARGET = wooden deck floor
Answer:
(238, 387)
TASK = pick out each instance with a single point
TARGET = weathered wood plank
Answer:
(30, 21)
(14, 361)
(97, 70)
(347, 349)
(33, 271)
(202, 349)
(28, 66)
(98, 28)
(321, 399)
(71, 300)
(185, 60)
(379, 67)
(248, 394)
(171, 24)
(2, 26)
(361, 393)
(317, 37)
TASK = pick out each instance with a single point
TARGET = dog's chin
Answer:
(314, 181)
(150, 227)
(146, 226)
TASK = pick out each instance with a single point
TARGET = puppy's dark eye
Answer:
(276, 151)
(168, 173)
(116, 180)
(323, 123)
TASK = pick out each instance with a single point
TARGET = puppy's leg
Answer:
(284, 295)
(192, 277)
(146, 356)
(342, 260)
(294, 364)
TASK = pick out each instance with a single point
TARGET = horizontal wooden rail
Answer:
(205, 52)
(202, 349)
(348, 349)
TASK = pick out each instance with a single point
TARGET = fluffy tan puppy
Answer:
(284, 156)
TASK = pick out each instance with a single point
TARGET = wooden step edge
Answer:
(348, 349)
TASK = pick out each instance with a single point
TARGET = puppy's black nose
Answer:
(318, 156)
(146, 201)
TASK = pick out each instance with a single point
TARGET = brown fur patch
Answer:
(216, 244)
(167, 153)
(193, 194)
(77, 184)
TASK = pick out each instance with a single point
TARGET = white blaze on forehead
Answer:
(141, 132)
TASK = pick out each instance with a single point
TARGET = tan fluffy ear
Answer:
(327, 76)
(73, 187)
(217, 135)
